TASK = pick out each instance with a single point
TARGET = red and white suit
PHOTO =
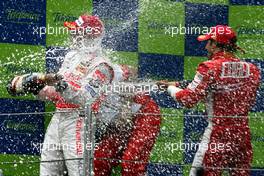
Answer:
(132, 145)
(85, 76)
(128, 144)
(228, 87)
(64, 136)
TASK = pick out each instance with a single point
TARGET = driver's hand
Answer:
(162, 84)
(52, 79)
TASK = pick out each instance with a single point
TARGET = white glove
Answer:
(172, 90)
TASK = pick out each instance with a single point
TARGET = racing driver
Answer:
(228, 87)
(63, 138)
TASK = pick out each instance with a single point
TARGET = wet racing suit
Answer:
(228, 86)
(64, 136)
(131, 145)
(132, 129)
(84, 86)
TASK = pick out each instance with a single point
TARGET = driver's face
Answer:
(210, 47)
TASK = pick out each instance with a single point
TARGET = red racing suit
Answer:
(228, 87)
(132, 147)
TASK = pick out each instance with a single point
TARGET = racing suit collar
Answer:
(222, 54)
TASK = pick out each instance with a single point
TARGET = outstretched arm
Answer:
(31, 83)
(195, 91)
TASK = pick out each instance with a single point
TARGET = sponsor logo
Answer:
(78, 136)
(235, 70)
(257, 138)
(195, 83)
(60, 17)
(198, 78)
(16, 16)
(90, 90)
(95, 83)
(69, 76)
(79, 21)
(250, 31)
(20, 127)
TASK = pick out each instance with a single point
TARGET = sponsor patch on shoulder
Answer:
(198, 77)
(196, 81)
(192, 86)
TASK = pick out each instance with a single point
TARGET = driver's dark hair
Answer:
(230, 47)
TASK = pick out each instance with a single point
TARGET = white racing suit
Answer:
(84, 72)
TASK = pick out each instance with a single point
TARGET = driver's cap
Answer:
(87, 24)
(220, 33)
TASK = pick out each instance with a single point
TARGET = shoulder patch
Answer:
(198, 78)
